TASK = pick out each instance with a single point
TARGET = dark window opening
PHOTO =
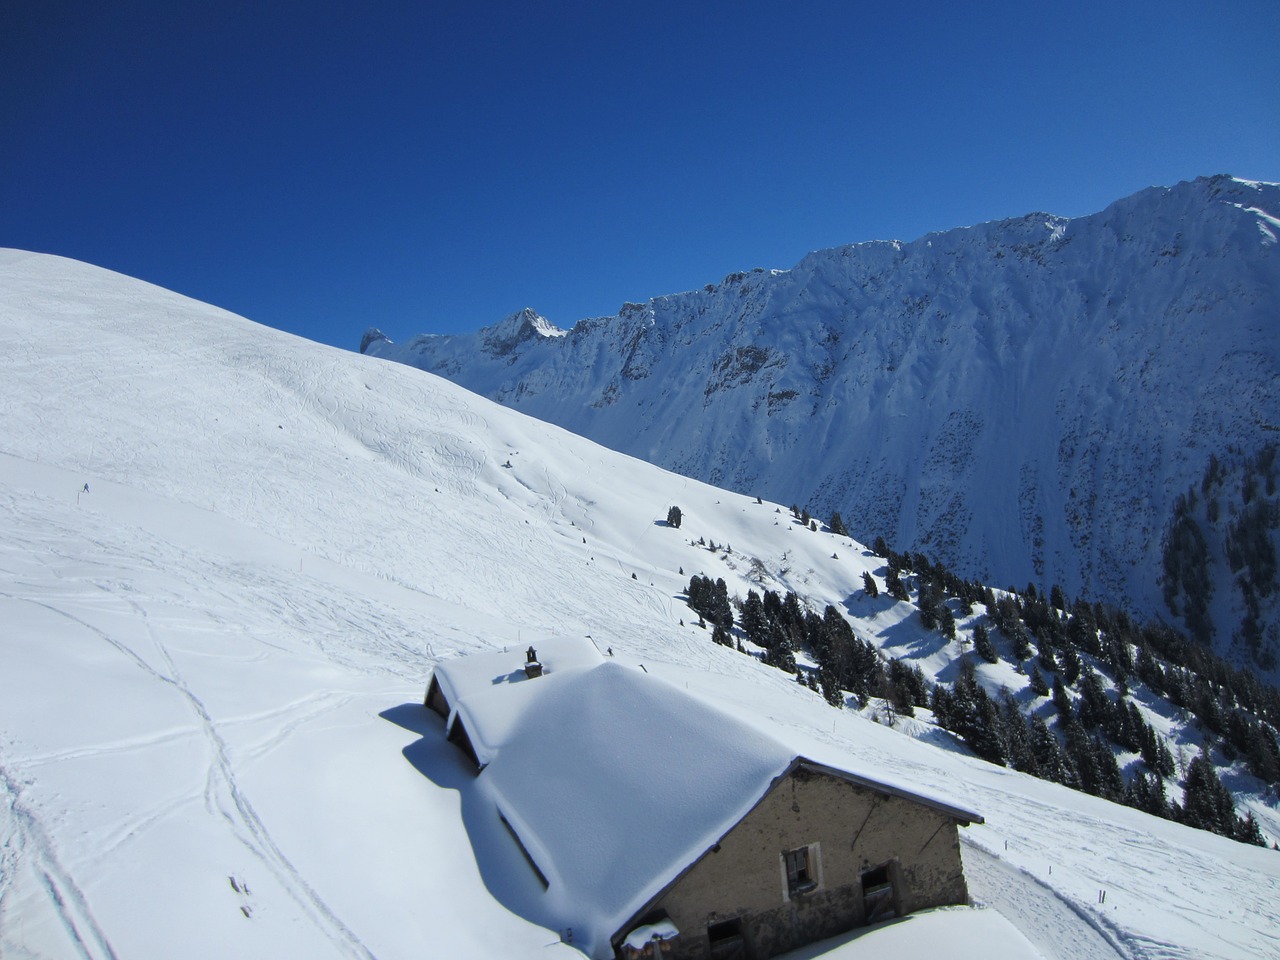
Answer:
(727, 940)
(800, 877)
(878, 901)
(436, 700)
(875, 878)
(458, 737)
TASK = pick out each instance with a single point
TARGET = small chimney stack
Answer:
(532, 668)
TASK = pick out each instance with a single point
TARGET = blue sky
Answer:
(433, 166)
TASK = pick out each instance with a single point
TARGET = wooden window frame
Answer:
(800, 870)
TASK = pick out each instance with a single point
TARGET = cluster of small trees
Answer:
(1188, 586)
(1208, 805)
(1200, 529)
(710, 600)
(1092, 650)
(1093, 723)
(804, 517)
(782, 624)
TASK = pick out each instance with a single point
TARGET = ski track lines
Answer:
(1120, 870)
(223, 797)
(69, 903)
(222, 794)
(1059, 929)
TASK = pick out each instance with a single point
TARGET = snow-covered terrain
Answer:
(229, 559)
(1022, 400)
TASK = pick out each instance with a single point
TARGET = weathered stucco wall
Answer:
(851, 829)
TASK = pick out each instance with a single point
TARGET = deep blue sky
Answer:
(433, 166)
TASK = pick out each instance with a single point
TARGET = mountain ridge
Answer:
(1023, 399)
(230, 558)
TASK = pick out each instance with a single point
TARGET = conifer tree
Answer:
(975, 717)
(946, 621)
(1037, 682)
(1110, 780)
(926, 602)
(1061, 702)
(755, 625)
(1083, 755)
(894, 586)
(1247, 831)
(1094, 708)
(1016, 736)
(902, 684)
(982, 644)
(1046, 659)
(1050, 760)
(1146, 793)
(829, 680)
(1071, 665)
(1262, 754)
(1207, 804)
(869, 585)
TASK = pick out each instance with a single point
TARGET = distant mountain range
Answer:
(230, 559)
(1027, 399)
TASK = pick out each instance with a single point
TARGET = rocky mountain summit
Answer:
(1027, 399)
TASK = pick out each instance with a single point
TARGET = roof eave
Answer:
(959, 814)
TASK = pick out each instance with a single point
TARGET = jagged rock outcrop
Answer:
(1024, 399)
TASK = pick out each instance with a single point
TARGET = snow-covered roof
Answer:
(489, 691)
(614, 781)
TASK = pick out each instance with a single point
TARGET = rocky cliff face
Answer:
(1023, 400)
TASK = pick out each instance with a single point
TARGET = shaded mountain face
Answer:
(1021, 400)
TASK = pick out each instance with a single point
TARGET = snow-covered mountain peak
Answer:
(520, 327)
(1024, 399)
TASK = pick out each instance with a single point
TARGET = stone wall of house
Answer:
(849, 830)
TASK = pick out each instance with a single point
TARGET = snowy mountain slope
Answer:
(1022, 400)
(211, 738)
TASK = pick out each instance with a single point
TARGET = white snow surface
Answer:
(212, 739)
(615, 781)
(491, 690)
(1022, 400)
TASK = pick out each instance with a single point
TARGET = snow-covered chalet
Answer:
(655, 825)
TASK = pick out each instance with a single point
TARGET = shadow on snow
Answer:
(502, 866)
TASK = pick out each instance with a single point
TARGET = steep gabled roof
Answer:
(614, 781)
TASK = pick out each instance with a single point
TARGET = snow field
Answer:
(211, 738)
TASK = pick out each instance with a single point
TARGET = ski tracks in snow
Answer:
(1060, 929)
(224, 797)
(26, 842)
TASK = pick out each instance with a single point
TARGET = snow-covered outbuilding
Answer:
(658, 825)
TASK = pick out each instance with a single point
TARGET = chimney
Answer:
(532, 668)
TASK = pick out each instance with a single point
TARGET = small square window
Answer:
(799, 871)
